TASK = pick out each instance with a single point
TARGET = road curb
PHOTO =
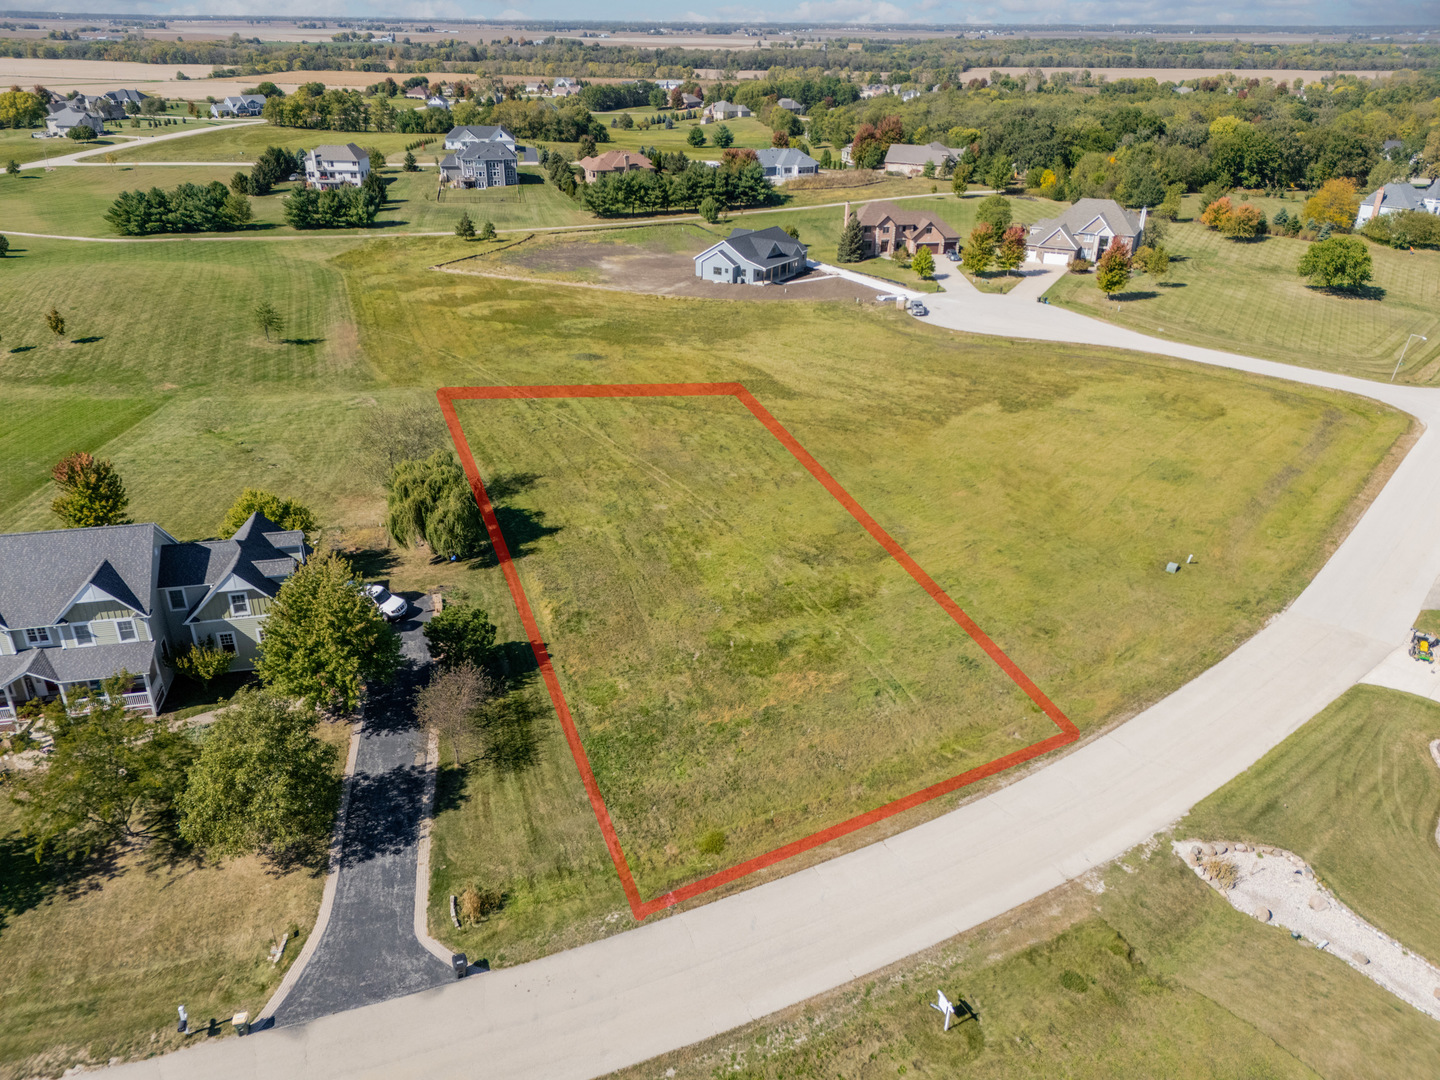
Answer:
(422, 856)
(332, 881)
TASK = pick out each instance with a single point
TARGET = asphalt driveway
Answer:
(369, 952)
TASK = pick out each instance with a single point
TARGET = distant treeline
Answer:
(934, 58)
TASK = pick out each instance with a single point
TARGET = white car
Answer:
(917, 308)
(391, 606)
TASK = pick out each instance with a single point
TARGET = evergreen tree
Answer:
(465, 228)
(851, 248)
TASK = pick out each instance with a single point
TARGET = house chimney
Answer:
(846, 222)
(1379, 198)
(1144, 210)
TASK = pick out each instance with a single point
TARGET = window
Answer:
(718, 271)
(38, 635)
(239, 604)
(177, 599)
(259, 634)
(126, 629)
(227, 643)
(83, 636)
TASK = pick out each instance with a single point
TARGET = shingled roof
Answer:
(41, 573)
(872, 214)
(259, 554)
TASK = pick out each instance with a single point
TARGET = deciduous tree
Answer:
(268, 319)
(56, 322)
(447, 706)
(324, 639)
(923, 263)
(996, 211)
(91, 492)
(1336, 203)
(460, 634)
(1339, 262)
(263, 781)
(979, 249)
(287, 513)
(1011, 252)
(1112, 271)
(203, 663)
(430, 501)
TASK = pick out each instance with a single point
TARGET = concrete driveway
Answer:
(368, 952)
(676, 980)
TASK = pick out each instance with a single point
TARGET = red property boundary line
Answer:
(641, 908)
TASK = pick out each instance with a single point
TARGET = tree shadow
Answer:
(513, 663)
(504, 486)
(301, 340)
(372, 562)
(25, 883)
(1136, 294)
(1171, 285)
(522, 530)
(383, 816)
(511, 742)
(87, 340)
(22, 348)
(1354, 292)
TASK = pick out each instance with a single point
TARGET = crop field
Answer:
(1247, 297)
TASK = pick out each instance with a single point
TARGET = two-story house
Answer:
(328, 167)
(78, 606)
(886, 229)
(239, 105)
(467, 134)
(480, 165)
(1086, 229)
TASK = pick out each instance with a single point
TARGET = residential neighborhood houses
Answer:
(66, 118)
(724, 110)
(786, 163)
(1084, 230)
(239, 105)
(1397, 197)
(480, 165)
(613, 161)
(78, 606)
(752, 257)
(885, 229)
(911, 160)
(330, 166)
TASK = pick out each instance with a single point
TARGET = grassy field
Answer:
(1247, 297)
(93, 967)
(1356, 794)
(1157, 975)
(248, 142)
(748, 131)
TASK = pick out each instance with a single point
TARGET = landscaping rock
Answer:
(1262, 913)
(1207, 849)
(1221, 849)
(1360, 958)
(1318, 903)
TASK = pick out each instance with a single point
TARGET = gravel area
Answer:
(1435, 753)
(1276, 887)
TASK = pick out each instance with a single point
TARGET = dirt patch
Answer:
(654, 271)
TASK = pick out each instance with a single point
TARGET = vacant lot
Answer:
(248, 142)
(1246, 297)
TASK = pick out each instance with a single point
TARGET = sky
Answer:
(1191, 12)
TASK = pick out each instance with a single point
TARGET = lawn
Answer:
(1246, 297)
(248, 142)
(1157, 975)
(93, 966)
(1081, 474)
(1356, 794)
(748, 131)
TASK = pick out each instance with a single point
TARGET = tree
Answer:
(287, 513)
(851, 247)
(112, 777)
(1335, 204)
(1112, 270)
(1217, 213)
(999, 174)
(460, 634)
(1158, 264)
(410, 164)
(1338, 262)
(91, 492)
(430, 501)
(274, 164)
(996, 210)
(780, 139)
(465, 228)
(1012, 249)
(268, 319)
(923, 263)
(710, 209)
(81, 133)
(13, 167)
(56, 322)
(1169, 207)
(1244, 222)
(263, 782)
(236, 210)
(240, 183)
(696, 137)
(724, 137)
(4, 246)
(980, 250)
(203, 663)
(447, 705)
(324, 638)
(794, 231)
(487, 231)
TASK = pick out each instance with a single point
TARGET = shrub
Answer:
(1222, 872)
(478, 902)
(712, 843)
(1080, 265)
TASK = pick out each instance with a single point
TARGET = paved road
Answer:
(369, 952)
(672, 982)
(99, 152)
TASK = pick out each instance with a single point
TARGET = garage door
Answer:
(1056, 258)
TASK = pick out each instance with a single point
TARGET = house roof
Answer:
(254, 555)
(480, 133)
(72, 117)
(79, 665)
(1403, 196)
(331, 152)
(41, 573)
(480, 151)
(615, 160)
(244, 99)
(784, 158)
(759, 247)
(874, 213)
(1086, 216)
(790, 103)
(124, 95)
(906, 154)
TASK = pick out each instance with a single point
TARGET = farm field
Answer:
(92, 966)
(1247, 297)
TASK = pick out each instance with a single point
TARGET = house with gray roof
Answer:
(781, 164)
(1398, 197)
(752, 256)
(1084, 230)
(239, 105)
(79, 606)
(330, 166)
(910, 160)
(724, 110)
(480, 165)
(467, 134)
(791, 104)
(68, 117)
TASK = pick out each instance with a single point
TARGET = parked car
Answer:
(917, 308)
(953, 256)
(391, 606)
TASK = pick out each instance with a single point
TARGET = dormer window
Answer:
(38, 635)
(177, 599)
(239, 604)
(125, 628)
(82, 633)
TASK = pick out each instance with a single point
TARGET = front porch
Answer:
(33, 688)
